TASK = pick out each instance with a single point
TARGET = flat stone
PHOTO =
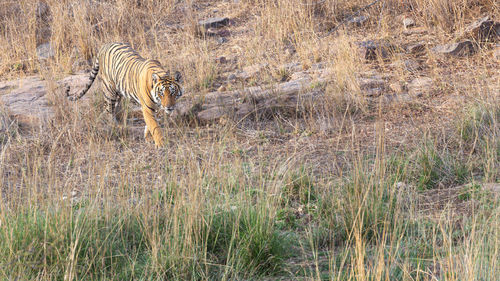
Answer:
(371, 49)
(214, 32)
(373, 86)
(214, 22)
(420, 86)
(317, 66)
(397, 98)
(411, 65)
(416, 48)
(251, 71)
(415, 31)
(483, 29)
(26, 99)
(397, 87)
(211, 114)
(299, 75)
(292, 67)
(368, 83)
(217, 106)
(222, 40)
(358, 21)
(460, 49)
(244, 109)
(408, 22)
(28, 102)
(231, 77)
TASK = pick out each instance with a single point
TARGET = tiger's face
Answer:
(166, 91)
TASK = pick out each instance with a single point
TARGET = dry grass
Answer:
(338, 193)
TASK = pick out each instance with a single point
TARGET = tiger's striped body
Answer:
(124, 73)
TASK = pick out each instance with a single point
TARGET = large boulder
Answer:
(26, 99)
(284, 98)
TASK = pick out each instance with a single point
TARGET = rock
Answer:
(358, 21)
(213, 32)
(214, 22)
(416, 48)
(221, 60)
(373, 86)
(211, 114)
(292, 67)
(250, 71)
(460, 49)
(397, 98)
(231, 77)
(28, 102)
(217, 106)
(222, 40)
(411, 65)
(26, 99)
(371, 50)
(224, 33)
(244, 109)
(373, 82)
(397, 87)
(408, 22)
(186, 109)
(420, 86)
(299, 76)
(221, 89)
(415, 31)
(317, 66)
(482, 30)
(45, 51)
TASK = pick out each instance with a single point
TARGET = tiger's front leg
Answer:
(152, 127)
(147, 134)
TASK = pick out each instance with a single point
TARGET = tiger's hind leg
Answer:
(114, 109)
(112, 99)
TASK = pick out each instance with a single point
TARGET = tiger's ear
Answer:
(178, 77)
(156, 78)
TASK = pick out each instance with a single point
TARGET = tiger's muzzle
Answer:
(169, 109)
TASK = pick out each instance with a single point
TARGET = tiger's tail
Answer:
(93, 75)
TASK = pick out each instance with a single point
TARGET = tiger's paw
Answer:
(159, 144)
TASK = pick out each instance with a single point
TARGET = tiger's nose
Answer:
(169, 109)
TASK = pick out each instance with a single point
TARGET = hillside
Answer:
(316, 140)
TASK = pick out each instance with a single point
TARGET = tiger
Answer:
(125, 74)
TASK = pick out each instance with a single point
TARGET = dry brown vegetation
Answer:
(349, 188)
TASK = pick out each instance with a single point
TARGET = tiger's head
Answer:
(166, 90)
